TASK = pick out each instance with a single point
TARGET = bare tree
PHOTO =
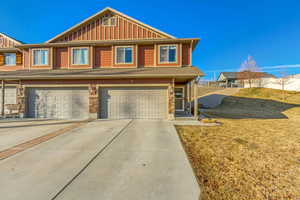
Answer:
(249, 71)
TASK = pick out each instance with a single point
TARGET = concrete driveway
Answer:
(122, 159)
(16, 132)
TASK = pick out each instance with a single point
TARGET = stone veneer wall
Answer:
(93, 101)
(171, 102)
(21, 100)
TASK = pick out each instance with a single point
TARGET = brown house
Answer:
(109, 66)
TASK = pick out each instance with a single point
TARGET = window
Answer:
(168, 54)
(40, 57)
(124, 55)
(178, 92)
(10, 59)
(80, 56)
(108, 21)
(179, 99)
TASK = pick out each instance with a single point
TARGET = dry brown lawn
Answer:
(255, 154)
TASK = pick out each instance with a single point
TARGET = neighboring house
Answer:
(10, 59)
(291, 83)
(234, 79)
(109, 66)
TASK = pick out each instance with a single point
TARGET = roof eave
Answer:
(191, 76)
(8, 50)
(109, 42)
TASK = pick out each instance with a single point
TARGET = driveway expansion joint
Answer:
(93, 158)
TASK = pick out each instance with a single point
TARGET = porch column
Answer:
(171, 90)
(93, 101)
(2, 98)
(21, 99)
(195, 87)
(188, 98)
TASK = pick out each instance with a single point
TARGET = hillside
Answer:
(254, 154)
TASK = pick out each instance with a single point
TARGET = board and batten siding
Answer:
(61, 58)
(146, 55)
(123, 30)
(6, 42)
(103, 57)
(186, 54)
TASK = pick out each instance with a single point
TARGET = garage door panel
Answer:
(135, 103)
(58, 103)
(10, 95)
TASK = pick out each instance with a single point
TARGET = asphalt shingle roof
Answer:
(234, 75)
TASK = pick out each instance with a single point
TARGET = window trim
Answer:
(10, 64)
(39, 49)
(88, 56)
(132, 56)
(109, 20)
(176, 59)
(182, 98)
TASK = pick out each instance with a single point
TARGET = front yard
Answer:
(255, 154)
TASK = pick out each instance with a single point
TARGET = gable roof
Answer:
(7, 42)
(234, 75)
(102, 12)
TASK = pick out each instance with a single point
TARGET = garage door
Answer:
(58, 103)
(133, 103)
(10, 96)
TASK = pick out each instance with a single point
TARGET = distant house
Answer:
(233, 79)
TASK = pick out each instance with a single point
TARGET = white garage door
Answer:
(133, 103)
(58, 103)
(10, 96)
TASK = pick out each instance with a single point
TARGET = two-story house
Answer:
(109, 66)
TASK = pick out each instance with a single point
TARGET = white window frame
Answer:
(183, 97)
(10, 64)
(45, 49)
(167, 45)
(109, 18)
(132, 56)
(88, 56)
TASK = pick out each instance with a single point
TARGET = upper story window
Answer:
(124, 55)
(167, 53)
(80, 56)
(9, 59)
(108, 20)
(40, 56)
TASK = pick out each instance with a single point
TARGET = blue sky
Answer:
(268, 30)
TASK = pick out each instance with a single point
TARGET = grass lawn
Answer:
(255, 154)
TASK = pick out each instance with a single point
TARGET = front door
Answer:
(179, 99)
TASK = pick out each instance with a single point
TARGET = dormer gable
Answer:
(110, 24)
